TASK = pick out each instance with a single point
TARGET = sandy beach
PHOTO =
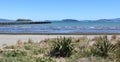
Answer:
(12, 39)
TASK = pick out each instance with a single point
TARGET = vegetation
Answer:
(103, 47)
(45, 59)
(99, 49)
(15, 53)
(62, 47)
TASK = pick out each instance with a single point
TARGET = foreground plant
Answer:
(15, 53)
(117, 52)
(16, 59)
(45, 59)
(62, 47)
(103, 47)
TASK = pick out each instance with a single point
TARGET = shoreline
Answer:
(11, 39)
(59, 33)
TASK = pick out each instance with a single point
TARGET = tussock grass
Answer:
(98, 49)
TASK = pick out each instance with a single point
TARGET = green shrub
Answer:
(62, 47)
(45, 59)
(86, 52)
(15, 59)
(15, 53)
(118, 55)
(28, 46)
(117, 52)
(37, 51)
(103, 47)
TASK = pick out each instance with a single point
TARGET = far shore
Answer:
(12, 38)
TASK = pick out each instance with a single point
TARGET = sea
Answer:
(63, 27)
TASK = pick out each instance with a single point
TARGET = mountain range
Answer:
(70, 20)
(109, 20)
(6, 20)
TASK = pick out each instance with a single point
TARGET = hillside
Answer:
(6, 20)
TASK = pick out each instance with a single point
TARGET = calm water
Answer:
(63, 27)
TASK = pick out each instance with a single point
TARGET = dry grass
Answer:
(40, 51)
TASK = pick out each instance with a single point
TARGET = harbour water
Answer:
(63, 27)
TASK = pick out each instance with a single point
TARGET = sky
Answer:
(59, 9)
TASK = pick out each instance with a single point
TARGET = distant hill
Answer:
(6, 20)
(105, 20)
(109, 20)
(100, 20)
(24, 20)
(70, 20)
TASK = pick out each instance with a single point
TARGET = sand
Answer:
(12, 39)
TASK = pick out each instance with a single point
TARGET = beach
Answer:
(11, 39)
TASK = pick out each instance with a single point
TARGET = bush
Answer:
(37, 51)
(117, 52)
(45, 59)
(28, 46)
(15, 59)
(103, 47)
(62, 47)
(15, 53)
